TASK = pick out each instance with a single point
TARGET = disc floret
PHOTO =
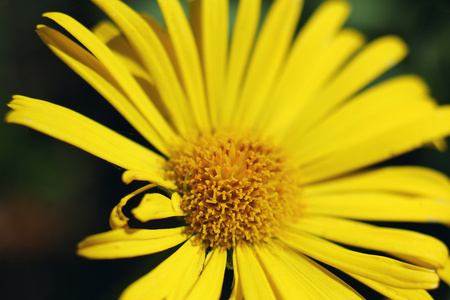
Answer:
(235, 188)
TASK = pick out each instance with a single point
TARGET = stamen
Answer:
(235, 188)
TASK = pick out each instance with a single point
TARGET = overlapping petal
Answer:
(421, 249)
(209, 283)
(316, 53)
(377, 268)
(379, 206)
(254, 281)
(122, 76)
(172, 279)
(266, 60)
(382, 145)
(295, 277)
(394, 292)
(408, 180)
(151, 51)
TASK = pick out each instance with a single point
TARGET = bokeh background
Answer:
(52, 195)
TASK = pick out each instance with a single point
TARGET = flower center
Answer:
(234, 188)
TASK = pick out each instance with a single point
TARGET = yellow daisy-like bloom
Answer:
(261, 143)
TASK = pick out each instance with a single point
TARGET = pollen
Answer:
(235, 188)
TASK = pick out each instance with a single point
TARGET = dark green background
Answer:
(52, 195)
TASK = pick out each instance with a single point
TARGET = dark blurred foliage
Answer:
(52, 195)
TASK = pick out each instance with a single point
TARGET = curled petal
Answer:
(155, 206)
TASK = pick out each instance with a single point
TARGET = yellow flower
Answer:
(262, 146)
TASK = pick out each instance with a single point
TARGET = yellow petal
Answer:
(377, 110)
(410, 180)
(155, 59)
(267, 59)
(187, 56)
(393, 292)
(122, 243)
(132, 175)
(164, 38)
(422, 249)
(310, 60)
(75, 129)
(380, 207)
(172, 279)
(335, 284)
(93, 71)
(378, 268)
(377, 57)
(176, 202)
(214, 45)
(236, 293)
(155, 206)
(444, 273)
(112, 37)
(255, 284)
(117, 218)
(122, 76)
(294, 277)
(381, 146)
(242, 39)
(285, 282)
(105, 31)
(209, 284)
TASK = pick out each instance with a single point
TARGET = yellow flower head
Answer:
(262, 142)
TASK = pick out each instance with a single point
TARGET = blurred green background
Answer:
(52, 195)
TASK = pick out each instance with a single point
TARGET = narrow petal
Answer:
(151, 51)
(393, 292)
(105, 31)
(117, 218)
(236, 293)
(331, 59)
(385, 106)
(378, 268)
(384, 145)
(122, 243)
(255, 284)
(155, 206)
(286, 284)
(187, 56)
(73, 128)
(112, 37)
(422, 249)
(267, 59)
(131, 175)
(380, 207)
(377, 57)
(242, 39)
(172, 279)
(95, 73)
(294, 277)
(334, 283)
(308, 51)
(410, 180)
(209, 284)
(118, 71)
(214, 39)
(164, 38)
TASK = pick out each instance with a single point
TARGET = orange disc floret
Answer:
(235, 188)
